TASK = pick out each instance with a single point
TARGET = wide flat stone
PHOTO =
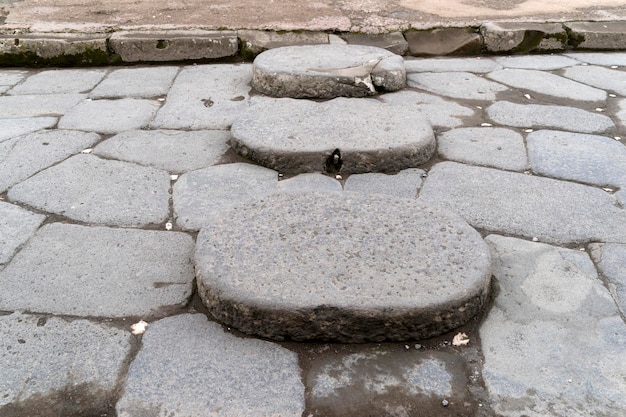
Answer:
(349, 267)
(209, 372)
(613, 58)
(33, 105)
(327, 71)
(463, 85)
(93, 190)
(536, 62)
(611, 261)
(475, 65)
(99, 271)
(136, 82)
(46, 361)
(607, 79)
(404, 184)
(64, 81)
(341, 135)
(553, 342)
(524, 205)
(10, 128)
(16, 227)
(311, 181)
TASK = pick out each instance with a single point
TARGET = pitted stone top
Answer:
(348, 267)
(327, 71)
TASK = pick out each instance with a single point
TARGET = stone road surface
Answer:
(107, 175)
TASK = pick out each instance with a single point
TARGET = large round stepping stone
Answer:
(327, 71)
(341, 135)
(347, 267)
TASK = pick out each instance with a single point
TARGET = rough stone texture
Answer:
(476, 65)
(46, 361)
(16, 227)
(511, 203)
(210, 373)
(555, 324)
(456, 84)
(201, 195)
(99, 271)
(89, 189)
(341, 135)
(136, 82)
(170, 150)
(536, 62)
(597, 35)
(109, 116)
(10, 128)
(346, 267)
(591, 159)
(487, 146)
(546, 84)
(33, 105)
(540, 116)
(611, 261)
(621, 113)
(607, 79)
(38, 48)
(613, 58)
(443, 41)
(309, 182)
(24, 156)
(256, 41)
(8, 78)
(63, 81)
(393, 42)
(327, 71)
(205, 97)
(404, 184)
(523, 37)
(173, 45)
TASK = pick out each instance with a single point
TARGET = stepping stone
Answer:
(341, 135)
(349, 267)
(327, 71)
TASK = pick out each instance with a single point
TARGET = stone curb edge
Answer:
(196, 45)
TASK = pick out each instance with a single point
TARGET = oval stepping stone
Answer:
(340, 135)
(327, 71)
(347, 267)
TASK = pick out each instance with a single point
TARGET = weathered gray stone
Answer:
(61, 81)
(89, 189)
(404, 184)
(546, 84)
(10, 128)
(597, 35)
(511, 203)
(327, 71)
(443, 41)
(16, 227)
(52, 367)
(25, 155)
(99, 271)
(170, 150)
(209, 372)
(523, 37)
(557, 328)
(73, 48)
(349, 267)
(341, 135)
(201, 195)
(109, 116)
(487, 146)
(256, 41)
(621, 112)
(595, 58)
(8, 78)
(541, 116)
(536, 62)
(611, 261)
(456, 84)
(205, 97)
(621, 197)
(591, 159)
(136, 82)
(393, 42)
(35, 105)
(173, 45)
(309, 182)
(476, 65)
(607, 79)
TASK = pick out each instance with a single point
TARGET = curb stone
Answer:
(516, 37)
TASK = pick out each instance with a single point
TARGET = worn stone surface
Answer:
(16, 227)
(201, 195)
(327, 71)
(475, 65)
(210, 372)
(136, 83)
(557, 326)
(591, 159)
(393, 42)
(99, 271)
(347, 267)
(443, 41)
(8, 78)
(621, 112)
(340, 135)
(456, 84)
(611, 261)
(607, 79)
(550, 117)
(536, 62)
(56, 48)
(523, 37)
(256, 41)
(170, 150)
(44, 361)
(613, 58)
(33, 106)
(10, 128)
(511, 203)
(597, 35)
(62, 81)
(486, 146)
(26, 155)
(309, 182)
(404, 184)
(89, 189)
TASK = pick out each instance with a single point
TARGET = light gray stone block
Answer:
(597, 58)
(61, 81)
(476, 65)
(92, 190)
(443, 41)
(72, 48)
(393, 42)
(210, 372)
(136, 82)
(8, 78)
(611, 261)
(462, 85)
(404, 184)
(10, 128)
(523, 205)
(99, 272)
(597, 35)
(523, 37)
(536, 62)
(607, 79)
(35, 105)
(16, 227)
(309, 182)
(256, 41)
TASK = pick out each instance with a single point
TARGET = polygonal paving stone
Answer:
(10, 128)
(611, 58)
(341, 135)
(14, 107)
(136, 82)
(99, 271)
(64, 81)
(462, 85)
(607, 79)
(475, 65)
(16, 227)
(309, 182)
(536, 62)
(327, 71)
(611, 261)
(188, 366)
(404, 184)
(90, 189)
(349, 267)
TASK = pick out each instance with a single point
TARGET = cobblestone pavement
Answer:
(108, 174)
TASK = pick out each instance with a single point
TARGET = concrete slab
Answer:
(62, 81)
(611, 261)
(11, 128)
(136, 83)
(12, 107)
(463, 85)
(17, 226)
(404, 184)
